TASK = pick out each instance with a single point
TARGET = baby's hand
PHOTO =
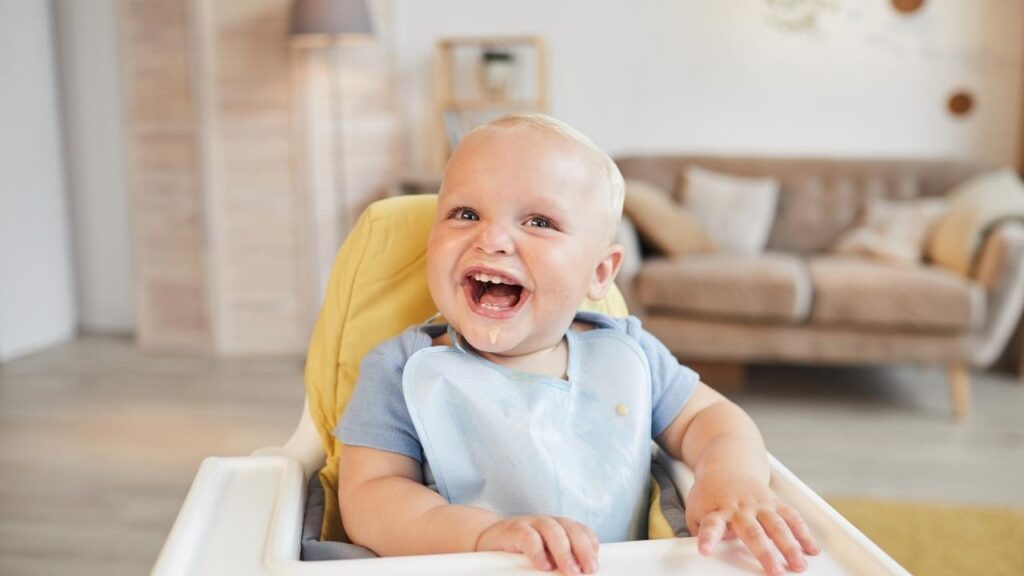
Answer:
(731, 503)
(548, 542)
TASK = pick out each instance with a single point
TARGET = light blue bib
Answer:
(521, 443)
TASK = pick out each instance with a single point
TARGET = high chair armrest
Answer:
(839, 539)
(242, 515)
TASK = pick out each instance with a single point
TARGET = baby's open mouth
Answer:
(493, 292)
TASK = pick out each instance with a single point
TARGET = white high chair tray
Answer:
(244, 516)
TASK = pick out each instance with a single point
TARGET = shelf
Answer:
(460, 106)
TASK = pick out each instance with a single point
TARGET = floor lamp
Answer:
(324, 26)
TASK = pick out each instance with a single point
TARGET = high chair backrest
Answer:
(377, 288)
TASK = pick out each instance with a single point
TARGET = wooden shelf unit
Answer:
(453, 106)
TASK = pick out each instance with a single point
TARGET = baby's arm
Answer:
(730, 495)
(386, 507)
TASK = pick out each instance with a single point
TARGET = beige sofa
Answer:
(796, 302)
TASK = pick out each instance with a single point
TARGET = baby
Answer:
(522, 424)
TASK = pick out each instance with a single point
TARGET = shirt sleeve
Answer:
(376, 415)
(672, 384)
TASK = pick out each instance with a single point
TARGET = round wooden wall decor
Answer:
(907, 6)
(960, 103)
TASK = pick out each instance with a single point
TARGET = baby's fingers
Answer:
(780, 534)
(557, 542)
(800, 529)
(752, 534)
(531, 544)
(584, 544)
(710, 533)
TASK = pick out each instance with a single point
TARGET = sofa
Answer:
(796, 301)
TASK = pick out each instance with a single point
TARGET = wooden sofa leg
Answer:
(1020, 355)
(1016, 350)
(960, 390)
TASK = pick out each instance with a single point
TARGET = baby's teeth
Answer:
(481, 277)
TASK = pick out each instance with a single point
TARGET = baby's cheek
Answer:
(441, 291)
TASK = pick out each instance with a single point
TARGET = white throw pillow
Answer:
(893, 231)
(736, 212)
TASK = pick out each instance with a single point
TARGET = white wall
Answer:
(723, 76)
(36, 289)
(87, 42)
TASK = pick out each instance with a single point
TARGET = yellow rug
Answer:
(941, 540)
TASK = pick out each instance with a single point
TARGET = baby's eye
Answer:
(539, 222)
(464, 214)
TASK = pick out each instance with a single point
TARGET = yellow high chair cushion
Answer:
(377, 288)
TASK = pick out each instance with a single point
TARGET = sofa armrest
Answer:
(1000, 271)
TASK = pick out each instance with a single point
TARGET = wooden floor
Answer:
(99, 442)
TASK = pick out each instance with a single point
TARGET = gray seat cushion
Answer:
(854, 291)
(768, 287)
(313, 548)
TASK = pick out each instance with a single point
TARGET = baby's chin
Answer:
(499, 342)
(494, 339)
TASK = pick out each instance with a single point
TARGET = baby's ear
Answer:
(606, 271)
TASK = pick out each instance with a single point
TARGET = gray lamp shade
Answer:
(331, 18)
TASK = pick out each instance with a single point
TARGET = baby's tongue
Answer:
(500, 295)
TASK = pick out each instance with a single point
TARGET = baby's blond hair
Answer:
(615, 184)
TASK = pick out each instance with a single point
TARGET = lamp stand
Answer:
(338, 171)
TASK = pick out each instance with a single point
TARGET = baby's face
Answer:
(523, 224)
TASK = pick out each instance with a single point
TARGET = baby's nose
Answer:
(495, 238)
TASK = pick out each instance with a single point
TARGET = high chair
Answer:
(244, 515)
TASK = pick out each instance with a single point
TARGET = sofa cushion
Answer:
(816, 205)
(976, 205)
(893, 231)
(665, 224)
(819, 198)
(853, 291)
(736, 212)
(769, 287)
